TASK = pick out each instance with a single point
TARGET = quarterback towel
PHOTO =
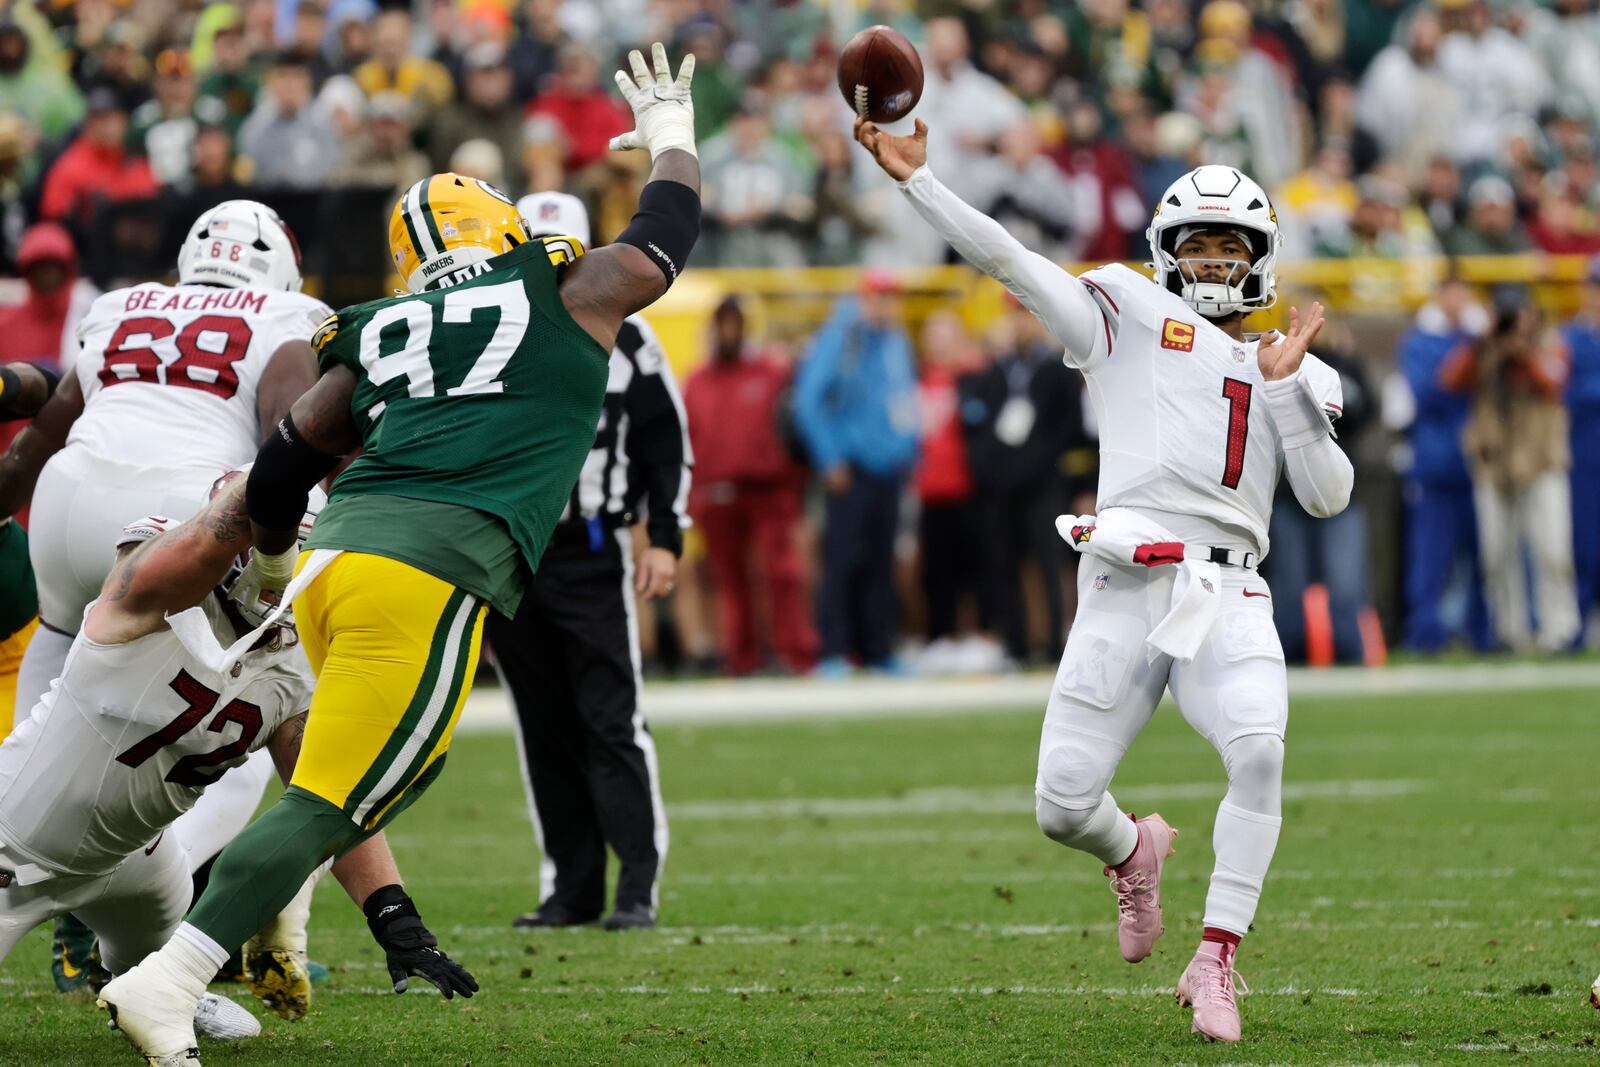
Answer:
(1119, 535)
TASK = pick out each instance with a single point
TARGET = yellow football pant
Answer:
(11, 650)
(394, 650)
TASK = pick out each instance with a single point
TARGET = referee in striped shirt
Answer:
(571, 656)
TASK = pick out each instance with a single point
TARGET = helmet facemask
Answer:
(1242, 287)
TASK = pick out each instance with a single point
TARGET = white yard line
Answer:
(778, 700)
(1011, 800)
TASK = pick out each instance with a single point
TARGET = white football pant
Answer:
(225, 808)
(1234, 692)
(133, 910)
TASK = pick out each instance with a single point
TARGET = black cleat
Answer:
(74, 955)
(633, 917)
(552, 915)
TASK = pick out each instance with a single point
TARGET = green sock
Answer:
(262, 869)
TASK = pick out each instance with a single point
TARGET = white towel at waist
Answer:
(1122, 536)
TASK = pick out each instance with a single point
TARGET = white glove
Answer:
(663, 110)
(265, 577)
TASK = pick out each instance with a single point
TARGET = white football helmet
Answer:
(239, 243)
(1217, 197)
(554, 214)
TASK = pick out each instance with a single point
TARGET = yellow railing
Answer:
(786, 306)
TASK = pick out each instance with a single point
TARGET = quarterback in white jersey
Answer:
(1197, 419)
(173, 385)
(140, 723)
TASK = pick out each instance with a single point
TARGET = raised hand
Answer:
(898, 156)
(1282, 356)
(663, 110)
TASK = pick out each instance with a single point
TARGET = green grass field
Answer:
(874, 891)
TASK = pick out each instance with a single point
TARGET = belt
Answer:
(1231, 557)
(574, 533)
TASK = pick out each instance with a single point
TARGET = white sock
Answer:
(1106, 833)
(1244, 842)
(195, 953)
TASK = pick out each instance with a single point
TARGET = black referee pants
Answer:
(571, 661)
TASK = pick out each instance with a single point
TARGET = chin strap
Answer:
(1214, 300)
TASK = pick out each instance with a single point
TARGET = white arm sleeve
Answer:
(1302, 406)
(1059, 300)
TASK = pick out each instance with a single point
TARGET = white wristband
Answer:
(276, 569)
(1296, 412)
(668, 130)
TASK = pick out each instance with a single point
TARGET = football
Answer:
(880, 74)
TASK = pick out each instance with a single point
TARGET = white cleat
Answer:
(1594, 993)
(221, 1019)
(155, 1012)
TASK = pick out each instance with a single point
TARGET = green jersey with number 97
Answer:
(476, 404)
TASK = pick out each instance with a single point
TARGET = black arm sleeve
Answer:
(666, 226)
(13, 401)
(280, 483)
(658, 436)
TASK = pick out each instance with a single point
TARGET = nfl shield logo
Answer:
(1100, 581)
(1206, 584)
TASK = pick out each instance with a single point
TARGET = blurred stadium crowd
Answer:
(894, 478)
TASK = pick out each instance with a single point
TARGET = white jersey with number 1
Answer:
(1184, 427)
(169, 372)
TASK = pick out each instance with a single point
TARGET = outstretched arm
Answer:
(172, 572)
(290, 372)
(611, 283)
(1058, 299)
(23, 394)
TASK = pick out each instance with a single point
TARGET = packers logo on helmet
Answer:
(447, 222)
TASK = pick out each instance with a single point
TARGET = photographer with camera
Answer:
(1516, 446)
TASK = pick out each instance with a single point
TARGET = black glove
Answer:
(411, 949)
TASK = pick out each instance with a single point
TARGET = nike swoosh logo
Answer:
(154, 843)
(68, 969)
(1249, 593)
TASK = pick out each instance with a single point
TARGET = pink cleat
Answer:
(1207, 985)
(1137, 884)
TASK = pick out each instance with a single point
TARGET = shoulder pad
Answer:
(325, 332)
(563, 250)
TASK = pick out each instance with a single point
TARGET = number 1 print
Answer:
(1238, 396)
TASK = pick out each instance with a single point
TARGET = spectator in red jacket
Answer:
(97, 164)
(747, 498)
(588, 113)
(43, 328)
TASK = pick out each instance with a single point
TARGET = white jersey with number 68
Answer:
(169, 372)
(1184, 426)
